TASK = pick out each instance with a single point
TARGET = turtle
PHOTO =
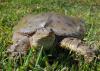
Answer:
(48, 29)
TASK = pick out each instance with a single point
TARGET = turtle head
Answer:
(81, 27)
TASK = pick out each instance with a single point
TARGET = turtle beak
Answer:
(82, 30)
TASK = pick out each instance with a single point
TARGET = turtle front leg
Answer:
(78, 46)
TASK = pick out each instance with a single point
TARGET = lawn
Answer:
(11, 11)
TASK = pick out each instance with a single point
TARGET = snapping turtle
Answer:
(48, 29)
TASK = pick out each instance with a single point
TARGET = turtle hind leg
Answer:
(79, 47)
(19, 48)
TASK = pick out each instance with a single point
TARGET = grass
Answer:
(11, 11)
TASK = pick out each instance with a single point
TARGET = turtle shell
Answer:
(61, 25)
